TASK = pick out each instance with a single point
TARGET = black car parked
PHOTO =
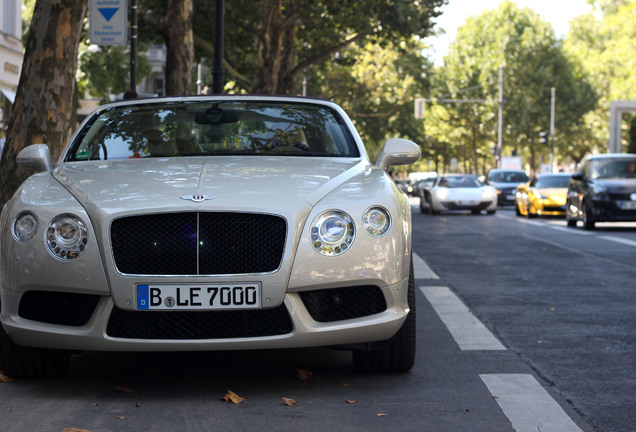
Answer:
(506, 181)
(603, 190)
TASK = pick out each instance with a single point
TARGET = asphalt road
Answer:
(522, 325)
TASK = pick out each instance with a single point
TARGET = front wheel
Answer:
(399, 355)
(588, 218)
(24, 362)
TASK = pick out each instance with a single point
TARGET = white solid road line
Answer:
(421, 269)
(618, 240)
(527, 405)
(466, 329)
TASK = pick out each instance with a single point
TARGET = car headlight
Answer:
(489, 194)
(25, 227)
(441, 194)
(598, 192)
(376, 221)
(332, 233)
(66, 237)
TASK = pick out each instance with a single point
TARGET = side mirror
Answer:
(398, 151)
(35, 157)
(577, 176)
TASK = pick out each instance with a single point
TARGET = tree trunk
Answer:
(43, 106)
(176, 28)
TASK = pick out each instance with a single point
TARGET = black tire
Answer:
(23, 362)
(475, 211)
(588, 219)
(491, 212)
(399, 356)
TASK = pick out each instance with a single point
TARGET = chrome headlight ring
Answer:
(376, 221)
(25, 227)
(332, 233)
(66, 237)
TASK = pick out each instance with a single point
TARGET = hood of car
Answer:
(617, 186)
(554, 193)
(202, 183)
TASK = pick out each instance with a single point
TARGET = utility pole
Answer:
(500, 118)
(552, 106)
(133, 46)
(217, 72)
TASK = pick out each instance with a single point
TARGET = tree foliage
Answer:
(270, 43)
(534, 62)
(606, 49)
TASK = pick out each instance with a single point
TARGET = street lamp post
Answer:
(552, 106)
(217, 73)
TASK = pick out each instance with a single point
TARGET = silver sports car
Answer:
(208, 223)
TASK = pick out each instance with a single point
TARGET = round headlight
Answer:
(25, 227)
(66, 237)
(376, 221)
(332, 233)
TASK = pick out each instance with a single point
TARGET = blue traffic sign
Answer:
(108, 22)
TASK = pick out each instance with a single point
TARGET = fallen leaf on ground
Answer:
(74, 430)
(303, 374)
(381, 415)
(137, 405)
(351, 401)
(121, 418)
(4, 378)
(124, 389)
(230, 396)
(289, 401)
(467, 410)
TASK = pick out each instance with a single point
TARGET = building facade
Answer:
(11, 53)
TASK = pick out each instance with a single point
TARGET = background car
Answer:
(208, 223)
(461, 192)
(420, 190)
(602, 190)
(506, 181)
(544, 195)
(405, 185)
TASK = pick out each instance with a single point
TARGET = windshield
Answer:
(460, 182)
(508, 177)
(560, 181)
(213, 128)
(613, 168)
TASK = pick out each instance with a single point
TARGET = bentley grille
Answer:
(198, 243)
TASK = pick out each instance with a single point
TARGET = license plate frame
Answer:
(199, 297)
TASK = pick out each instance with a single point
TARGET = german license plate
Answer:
(628, 205)
(199, 297)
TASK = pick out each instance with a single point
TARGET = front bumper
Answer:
(462, 205)
(506, 196)
(613, 211)
(297, 325)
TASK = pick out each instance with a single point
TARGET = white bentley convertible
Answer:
(208, 223)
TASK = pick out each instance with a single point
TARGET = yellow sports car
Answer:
(544, 195)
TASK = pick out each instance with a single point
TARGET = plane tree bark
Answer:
(43, 106)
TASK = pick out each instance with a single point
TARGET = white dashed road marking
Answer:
(466, 329)
(421, 269)
(527, 405)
